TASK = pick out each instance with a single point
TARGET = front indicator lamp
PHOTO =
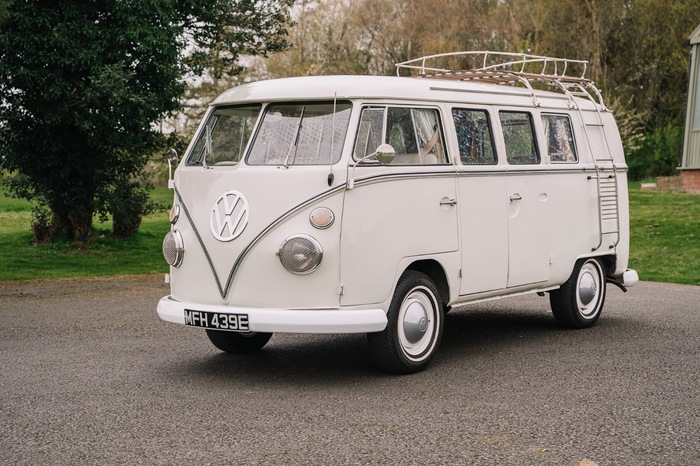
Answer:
(322, 218)
(174, 214)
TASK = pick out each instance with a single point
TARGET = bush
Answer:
(659, 153)
(128, 203)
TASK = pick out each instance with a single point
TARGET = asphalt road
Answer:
(89, 375)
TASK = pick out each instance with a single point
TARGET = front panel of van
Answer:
(250, 194)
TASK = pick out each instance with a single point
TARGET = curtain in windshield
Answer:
(301, 134)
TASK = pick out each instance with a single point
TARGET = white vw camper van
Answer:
(364, 204)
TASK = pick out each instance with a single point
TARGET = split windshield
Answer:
(301, 134)
(225, 137)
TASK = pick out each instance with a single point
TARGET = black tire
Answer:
(238, 343)
(412, 335)
(579, 301)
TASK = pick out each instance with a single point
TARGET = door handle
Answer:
(450, 202)
(515, 197)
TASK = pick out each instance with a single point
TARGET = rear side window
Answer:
(414, 133)
(519, 138)
(474, 137)
(560, 138)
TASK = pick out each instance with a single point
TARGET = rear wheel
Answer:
(579, 301)
(414, 329)
(237, 343)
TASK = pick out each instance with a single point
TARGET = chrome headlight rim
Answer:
(173, 248)
(286, 255)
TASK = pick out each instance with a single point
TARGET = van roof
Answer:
(393, 87)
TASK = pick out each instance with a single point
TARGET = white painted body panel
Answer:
(395, 215)
(390, 217)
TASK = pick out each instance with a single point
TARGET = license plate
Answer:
(217, 320)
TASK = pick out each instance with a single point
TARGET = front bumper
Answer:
(285, 320)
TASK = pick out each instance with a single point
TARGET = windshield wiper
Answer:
(295, 141)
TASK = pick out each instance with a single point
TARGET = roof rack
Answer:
(564, 75)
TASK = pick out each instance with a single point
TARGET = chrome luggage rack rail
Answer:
(564, 75)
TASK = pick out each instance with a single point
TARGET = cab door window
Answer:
(414, 133)
(519, 138)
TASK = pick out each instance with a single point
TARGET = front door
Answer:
(395, 211)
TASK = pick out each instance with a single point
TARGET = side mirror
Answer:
(173, 156)
(172, 160)
(385, 153)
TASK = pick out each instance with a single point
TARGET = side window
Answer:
(519, 137)
(560, 138)
(474, 137)
(414, 133)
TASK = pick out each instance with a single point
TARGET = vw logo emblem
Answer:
(229, 216)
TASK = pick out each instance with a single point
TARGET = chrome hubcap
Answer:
(587, 288)
(417, 323)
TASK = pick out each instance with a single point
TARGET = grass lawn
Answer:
(665, 242)
(665, 236)
(21, 259)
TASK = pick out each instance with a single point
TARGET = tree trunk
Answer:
(125, 224)
(76, 225)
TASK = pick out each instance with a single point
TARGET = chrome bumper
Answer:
(285, 320)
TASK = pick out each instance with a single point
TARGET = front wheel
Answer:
(414, 329)
(579, 301)
(237, 343)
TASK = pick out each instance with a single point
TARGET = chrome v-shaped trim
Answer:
(199, 238)
(224, 289)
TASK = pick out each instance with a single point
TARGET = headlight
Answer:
(300, 254)
(173, 248)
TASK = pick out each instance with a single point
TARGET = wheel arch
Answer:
(436, 272)
(609, 263)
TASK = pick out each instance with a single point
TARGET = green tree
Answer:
(83, 82)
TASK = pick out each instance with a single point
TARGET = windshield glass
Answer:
(301, 134)
(225, 137)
